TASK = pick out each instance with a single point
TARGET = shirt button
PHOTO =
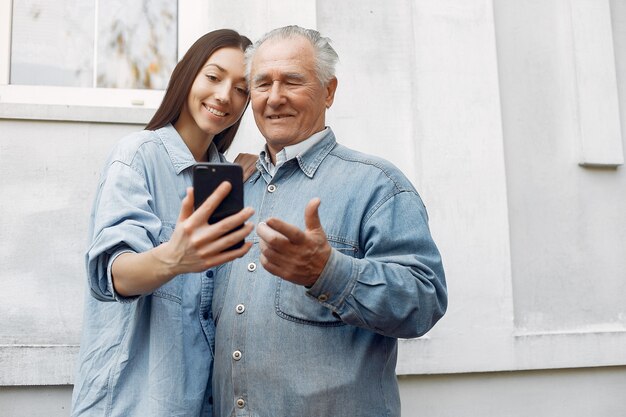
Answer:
(251, 266)
(240, 403)
(240, 308)
(271, 188)
(209, 274)
(236, 355)
(323, 297)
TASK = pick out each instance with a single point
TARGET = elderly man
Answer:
(342, 265)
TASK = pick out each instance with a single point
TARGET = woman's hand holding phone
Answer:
(197, 245)
(194, 246)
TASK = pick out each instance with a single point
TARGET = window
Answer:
(92, 53)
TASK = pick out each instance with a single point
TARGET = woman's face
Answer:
(218, 94)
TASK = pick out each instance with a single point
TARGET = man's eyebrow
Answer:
(288, 76)
(294, 76)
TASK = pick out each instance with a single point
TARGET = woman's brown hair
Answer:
(184, 75)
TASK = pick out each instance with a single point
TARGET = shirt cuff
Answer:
(336, 280)
(114, 294)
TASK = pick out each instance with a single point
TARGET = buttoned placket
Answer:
(237, 355)
(238, 351)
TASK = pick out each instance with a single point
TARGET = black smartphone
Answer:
(207, 177)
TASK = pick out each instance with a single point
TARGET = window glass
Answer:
(136, 43)
(52, 43)
(92, 43)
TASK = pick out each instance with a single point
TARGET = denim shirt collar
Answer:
(309, 161)
(179, 153)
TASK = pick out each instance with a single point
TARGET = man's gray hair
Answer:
(325, 56)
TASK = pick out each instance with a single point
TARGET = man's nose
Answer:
(276, 96)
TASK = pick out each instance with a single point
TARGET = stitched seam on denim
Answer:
(176, 163)
(354, 246)
(369, 162)
(282, 314)
(378, 205)
(167, 296)
(352, 280)
(354, 277)
(309, 169)
(131, 166)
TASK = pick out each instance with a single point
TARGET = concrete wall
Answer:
(568, 393)
(506, 114)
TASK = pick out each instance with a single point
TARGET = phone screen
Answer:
(207, 177)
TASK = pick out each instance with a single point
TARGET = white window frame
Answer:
(53, 102)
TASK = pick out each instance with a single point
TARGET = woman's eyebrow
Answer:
(212, 64)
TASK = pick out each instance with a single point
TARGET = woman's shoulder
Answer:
(130, 146)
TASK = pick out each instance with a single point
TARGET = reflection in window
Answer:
(52, 43)
(56, 43)
(136, 43)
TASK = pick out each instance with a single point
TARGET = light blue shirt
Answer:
(283, 350)
(148, 355)
(290, 152)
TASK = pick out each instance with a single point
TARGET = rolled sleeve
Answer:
(122, 221)
(110, 288)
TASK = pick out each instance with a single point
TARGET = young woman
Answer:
(146, 348)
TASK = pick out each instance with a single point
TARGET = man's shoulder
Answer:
(369, 165)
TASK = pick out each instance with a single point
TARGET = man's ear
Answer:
(331, 87)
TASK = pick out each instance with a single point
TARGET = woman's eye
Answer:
(241, 90)
(211, 77)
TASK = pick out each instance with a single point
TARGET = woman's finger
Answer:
(202, 214)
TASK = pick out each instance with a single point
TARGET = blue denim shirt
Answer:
(283, 350)
(148, 355)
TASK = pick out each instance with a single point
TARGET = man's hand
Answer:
(292, 254)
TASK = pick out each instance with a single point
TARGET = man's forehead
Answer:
(285, 56)
(283, 49)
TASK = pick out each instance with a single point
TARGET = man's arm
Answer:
(398, 289)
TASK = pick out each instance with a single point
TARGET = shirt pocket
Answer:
(171, 290)
(292, 303)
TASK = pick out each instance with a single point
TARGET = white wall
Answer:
(489, 107)
(581, 392)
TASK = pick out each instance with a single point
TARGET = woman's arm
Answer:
(195, 246)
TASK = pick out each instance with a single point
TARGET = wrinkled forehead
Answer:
(283, 54)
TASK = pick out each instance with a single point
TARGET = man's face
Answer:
(288, 101)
